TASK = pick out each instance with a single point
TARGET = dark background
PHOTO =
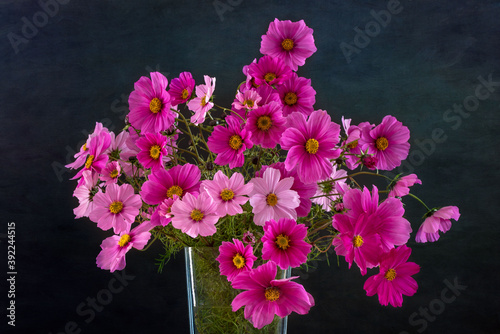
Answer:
(80, 66)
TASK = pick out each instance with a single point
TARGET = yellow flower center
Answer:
(174, 190)
(155, 105)
(272, 293)
(353, 144)
(203, 101)
(290, 98)
(235, 142)
(248, 103)
(282, 241)
(390, 274)
(264, 123)
(271, 199)
(113, 174)
(115, 207)
(287, 44)
(238, 261)
(269, 77)
(312, 146)
(89, 161)
(184, 94)
(196, 215)
(382, 143)
(226, 194)
(124, 240)
(84, 147)
(154, 152)
(357, 241)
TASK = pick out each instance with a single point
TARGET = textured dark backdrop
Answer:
(79, 65)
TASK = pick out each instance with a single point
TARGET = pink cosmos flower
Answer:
(386, 218)
(266, 124)
(181, 88)
(292, 42)
(116, 208)
(85, 193)
(229, 143)
(235, 258)
(268, 94)
(311, 145)
(152, 147)
(229, 194)
(163, 184)
(81, 156)
(112, 255)
(437, 220)
(162, 214)
(297, 95)
(272, 198)
(249, 238)
(269, 71)
(388, 142)
(150, 104)
(394, 279)
(329, 191)
(111, 173)
(266, 296)
(402, 186)
(96, 158)
(248, 100)
(195, 215)
(351, 145)
(283, 243)
(304, 190)
(201, 104)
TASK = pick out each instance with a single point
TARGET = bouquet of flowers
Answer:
(270, 182)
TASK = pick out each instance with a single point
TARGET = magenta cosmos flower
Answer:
(201, 104)
(163, 184)
(112, 255)
(269, 71)
(181, 88)
(162, 214)
(297, 95)
(96, 159)
(81, 156)
(116, 208)
(229, 143)
(394, 279)
(266, 124)
(195, 215)
(229, 194)
(272, 198)
(292, 42)
(388, 142)
(152, 147)
(311, 145)
(283, 243)
(235, 258)
(266, 296)
(304, 190)
(150, 104)
(402, 185)
(437, 220)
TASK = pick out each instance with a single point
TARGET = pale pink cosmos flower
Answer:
(150, 104)
(293, 42)
(272, 198)
(229, 194)
(329, 190)
(283, 243)
(116, 208)
(201, 104)
(85, 193)
(402, 185)
(394, 279)
(235, 258)
(111, 173)
(112, 255)
(437, 220)
(248, 100)
(265, 296)
(195, 215)
(162, 214)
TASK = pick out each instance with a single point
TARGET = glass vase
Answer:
(210, 296)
